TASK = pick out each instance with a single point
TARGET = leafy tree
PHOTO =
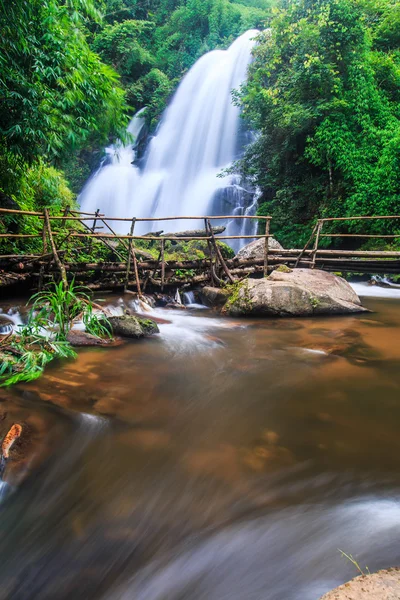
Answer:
(323, 92)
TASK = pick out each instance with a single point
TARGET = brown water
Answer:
(228, 460)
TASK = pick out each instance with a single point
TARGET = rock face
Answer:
(255, 249)
(214, 297)
(133, 327)
(297, 293)
(383, 585)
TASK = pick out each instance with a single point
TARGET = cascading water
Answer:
(200, 135)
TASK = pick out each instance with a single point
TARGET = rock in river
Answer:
(255, 249)
(133, 327)
(297, 293)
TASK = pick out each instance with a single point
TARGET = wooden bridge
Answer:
(128, 265)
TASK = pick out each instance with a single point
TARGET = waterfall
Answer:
(200, 135)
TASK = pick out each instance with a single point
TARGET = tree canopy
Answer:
(323, 92)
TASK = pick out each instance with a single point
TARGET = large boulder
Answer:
(133, 327)
(255, 250)
(214, 297)
(295, 293)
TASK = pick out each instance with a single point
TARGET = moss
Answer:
(283, 269)
(314, 302)
(148, 325)
(239, 297)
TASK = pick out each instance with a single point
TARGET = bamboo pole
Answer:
(44, 244)
(53, 247)
(172, 238)
(358, 235)
(306, 245)
(144, 219)
(162, 264)
(266, 248)
(314, 254)
(132, 254)
(209, 245)
(218, 253)
(100, 238)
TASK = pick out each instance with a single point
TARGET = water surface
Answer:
(221, 459)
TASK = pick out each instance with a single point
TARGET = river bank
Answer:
(220, 457)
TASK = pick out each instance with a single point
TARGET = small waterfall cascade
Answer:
(111, 186)
(200, 136)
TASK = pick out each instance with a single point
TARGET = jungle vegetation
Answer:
(322, 95)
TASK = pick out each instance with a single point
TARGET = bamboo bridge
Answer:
(133, 268)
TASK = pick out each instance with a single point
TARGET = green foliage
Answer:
(44, 337)
(24, 358)
(55, 90)
(324, 93)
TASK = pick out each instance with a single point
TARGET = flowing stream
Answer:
(219, 459)
(200, 135)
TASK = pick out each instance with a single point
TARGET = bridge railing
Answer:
(317, 234)
(69, 217)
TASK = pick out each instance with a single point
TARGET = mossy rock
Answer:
(297, 293)
(132, 327)
(283, 269)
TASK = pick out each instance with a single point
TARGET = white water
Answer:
(375, 291)
(200, 135)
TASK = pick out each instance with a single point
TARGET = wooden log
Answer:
(303, 251)
(162, 264)
(218, 253)
(143, 237)
(152, 219)
(266, 248)
(53, 247)
(360, 218)
(317, 235)
(358, 235)
(44, 246)
(100, 238)
(195, 233)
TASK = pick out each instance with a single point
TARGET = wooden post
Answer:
(53, 247)
(44, 249)
(93, 228)
(314, 254)
(211, 253)
(131, 253)
(151, 275)
(266, 248)
(300, 256)
(103, 241)
(162, 265)
(218, 253)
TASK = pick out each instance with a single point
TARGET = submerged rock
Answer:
(133, 327)
(255, 249)
(299, 293)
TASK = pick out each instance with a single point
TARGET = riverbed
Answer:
(221, 459)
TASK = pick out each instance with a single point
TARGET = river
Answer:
(219, 460)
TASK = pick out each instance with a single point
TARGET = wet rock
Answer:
(300, 293)
(383, 585)
(149, 326)
(132, 327)
(6, 325)
(255, 250)
(214, 297)
(83, 338)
